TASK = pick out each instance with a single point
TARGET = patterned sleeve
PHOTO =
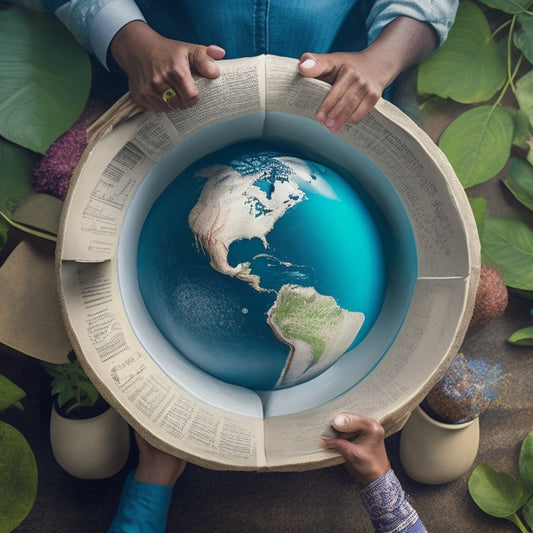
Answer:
(94, 23)
(143, 508)
(440, 14)
(387, 505)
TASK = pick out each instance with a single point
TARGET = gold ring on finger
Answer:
(168, 94)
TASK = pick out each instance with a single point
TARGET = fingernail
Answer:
(308, 63)
(340, 421)
(330, 123)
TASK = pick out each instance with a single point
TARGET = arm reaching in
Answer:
(358, 79)
(361, 441)
(154, 64)
(147, 493)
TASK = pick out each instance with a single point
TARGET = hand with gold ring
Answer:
(168, 94)
(162, 72)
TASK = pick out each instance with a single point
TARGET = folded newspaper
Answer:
(135, 155)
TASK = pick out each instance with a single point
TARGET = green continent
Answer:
(302, 313)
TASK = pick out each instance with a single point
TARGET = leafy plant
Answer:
(501, 495)
(18, 468)
(72, 390)
(490, 72)
(46, 79)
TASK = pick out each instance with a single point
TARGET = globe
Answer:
(261, 266)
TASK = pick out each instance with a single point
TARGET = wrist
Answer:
(127, 38)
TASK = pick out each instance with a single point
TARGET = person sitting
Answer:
(358, 46)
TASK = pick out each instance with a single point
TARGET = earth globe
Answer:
(262, 266)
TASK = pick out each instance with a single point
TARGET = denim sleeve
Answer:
(94, 23)
(440, 14)
(143, 508)
(387, 505)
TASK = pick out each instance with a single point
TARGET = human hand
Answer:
(155, 466)
(154, 64)
(361, 441)
(357, 80)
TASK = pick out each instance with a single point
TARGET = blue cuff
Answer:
(388, 508)
(94, 23)
(440, 14)
(143, 507)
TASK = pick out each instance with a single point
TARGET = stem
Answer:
(509, 52)
(28, 229)
(500, 28)
(517, 522)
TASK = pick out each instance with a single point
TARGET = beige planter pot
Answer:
(433, 452)
(92, 448)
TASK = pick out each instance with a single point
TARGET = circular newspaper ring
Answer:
(179, 408)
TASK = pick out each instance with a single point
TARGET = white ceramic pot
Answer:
(91, 448)
(433, 452)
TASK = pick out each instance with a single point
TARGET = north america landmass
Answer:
(244, 200)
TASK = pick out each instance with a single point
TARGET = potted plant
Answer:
(18, 479)
(89, 439)
(439, 442)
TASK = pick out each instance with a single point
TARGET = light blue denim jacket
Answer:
(251, 27)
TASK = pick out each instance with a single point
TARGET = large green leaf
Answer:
(522, 130)
(523, 38)
(507, 243)
(469, 67)
(10, 394)
(509, 6)
(18, 478)
(478, 143)
(496, 493)
(520, 182)
(45, 77)
(524, 94)
(525, 460)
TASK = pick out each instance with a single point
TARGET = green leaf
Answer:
(522, 337)
(15, 174)
(18, 478)
(520, 182)
(479, 209)
(509, 6)
(527, 513)
(478, 143)
(90, 391)
(469, 67)
(523, 38)
(522, 132)
(10, 394)
(496, 493)
(525, 460)
(524, 94)
(45, 75)
(507, 243)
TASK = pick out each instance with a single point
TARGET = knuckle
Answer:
(376, 429)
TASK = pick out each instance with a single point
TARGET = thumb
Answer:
(315, 66)
(349, 424)
(204, 64)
